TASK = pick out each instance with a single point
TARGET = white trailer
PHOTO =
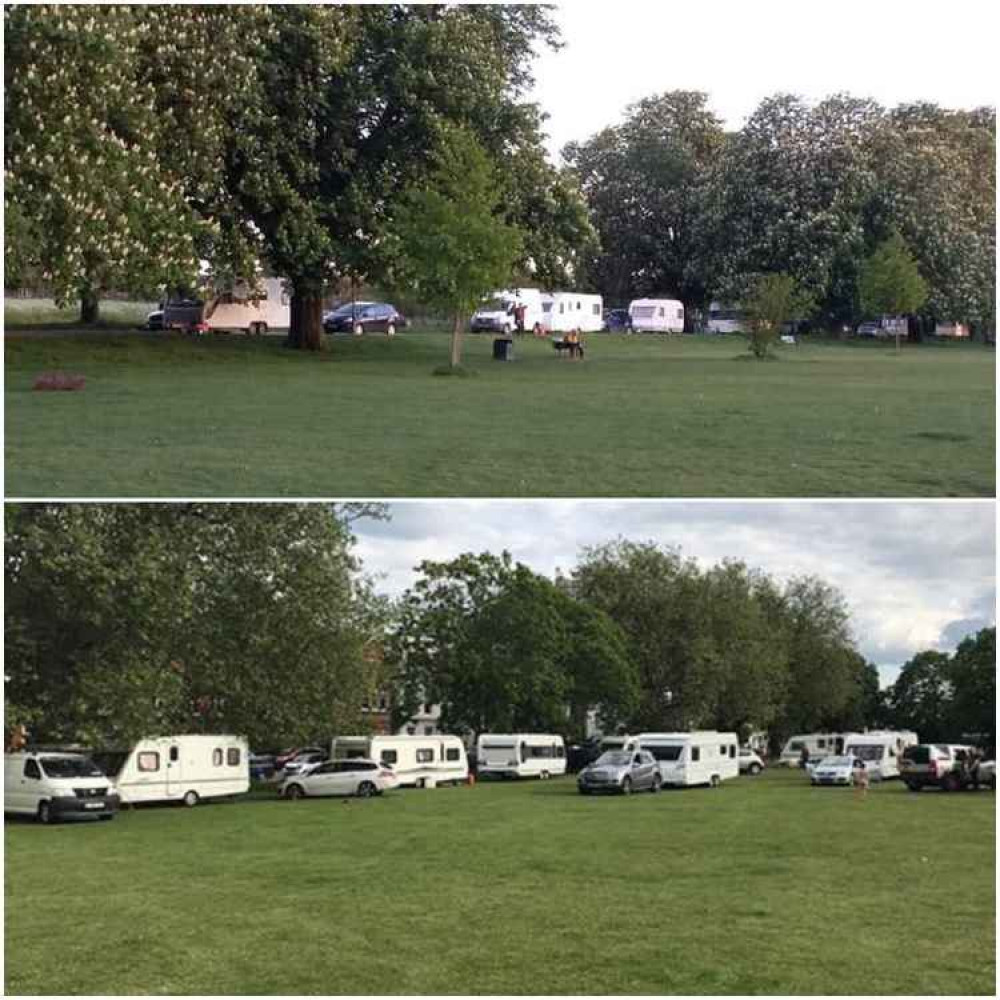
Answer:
(702, 757)
(565, 311)
(185, 768)
(657, 315)
(241, 308)
(819, 745)
(417, 761)
(620, 742)
(520, 755)
(496, 314)
(880, 749)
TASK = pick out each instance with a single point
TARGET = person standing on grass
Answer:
(804, 757)
(860, 775)
(519, 314)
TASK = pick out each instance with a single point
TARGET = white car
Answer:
(750, 762)
(351, 776)
(834, 771)
(987, 774)
(303, 763)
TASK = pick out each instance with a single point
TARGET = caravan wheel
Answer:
(715, 782)
(545, 776)
(190, 798)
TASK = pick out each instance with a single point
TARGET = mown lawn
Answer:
(763, 886)
(168, 416)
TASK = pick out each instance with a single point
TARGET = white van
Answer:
(819, 745)
(521, 755)
(418, 761)
(52, 786)
(881, 750)
(179, 769)
(657, 315)
(703, 757)
(496, 314)
(239, 309)
(565, 311)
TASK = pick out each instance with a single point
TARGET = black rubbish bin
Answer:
(503, 349)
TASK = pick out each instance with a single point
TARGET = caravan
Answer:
(419, 761)
(521, 755)
(238, 309)
(703, 757)
(565, 311)
(178, 769)
(881, 750)
(818, 745)
(656, 315)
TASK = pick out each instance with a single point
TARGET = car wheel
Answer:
(754, 768)
(627, 786)
(391, 330)
(950, 783)
(913, 786)
(44, 813)
(190, 798)
(294, 792)
(358, 329)
(655, 786)
(366, 790)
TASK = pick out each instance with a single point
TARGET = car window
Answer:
(327, 768)
(31, 769)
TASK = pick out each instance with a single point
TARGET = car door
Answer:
(641, 773)
(322, 781)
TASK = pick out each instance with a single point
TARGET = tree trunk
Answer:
(456, 340)
(305, 332)
(90, 305)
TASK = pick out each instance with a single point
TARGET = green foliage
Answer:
(126, 620)
(890, 281)
(920, 696)
(502, 649)
(773, 300)
(973, 676)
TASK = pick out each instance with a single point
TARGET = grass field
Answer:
(114, 314)
(763, 886)
(163, 415)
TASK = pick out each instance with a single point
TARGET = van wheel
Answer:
(627, 786)
(358, 329)
(754, 768)
(190, 799)
(390, 330)
(44, 813)
(366, 790)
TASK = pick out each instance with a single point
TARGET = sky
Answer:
(915, 575)
(895, 51)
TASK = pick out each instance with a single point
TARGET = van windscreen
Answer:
(70, 767)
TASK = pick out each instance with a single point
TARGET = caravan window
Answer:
(732, 751)
(672, 752)
(175, 754)
(452, 754)
(722, 751)
(680, 314)
(148, 760)
(596, 309)
(217, 756)
(662, 311)
(233, 756)
(425, 756)
(389, 757)
(560, 750)
(539, 751)
(695, 753)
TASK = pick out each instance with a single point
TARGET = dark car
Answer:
(579, 755)
(616, 320)
(154, 320)
(365, 317)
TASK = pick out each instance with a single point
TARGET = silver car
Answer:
(621, 771)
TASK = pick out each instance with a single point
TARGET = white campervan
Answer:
(418, 761)
(179, 768)
(496, 314)
(656, 315)
(819, 745)
(520, 755)
(51, 786)
(565, 311)
(881, 750)
(702, 757)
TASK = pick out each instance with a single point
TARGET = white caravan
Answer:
(496, 314)
(702, 757)
(725, 318)
(622, 742)
(565, 311)
(184, 769)
(239, 309)
(418, 761)
(819, 745)
(880, 750)
(521, 755)
(52, 786)
(657, 315)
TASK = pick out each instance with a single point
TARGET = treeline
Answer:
(682, 206)
(642, 636)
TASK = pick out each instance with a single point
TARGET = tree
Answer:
(125, 620)
(773, 300)
(890, 283)
(450, 248)
(972, 673)
(920, 697)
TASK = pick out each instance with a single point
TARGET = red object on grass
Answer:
(59, 381)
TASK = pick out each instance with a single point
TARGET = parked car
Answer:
(937, 765)
(750, 761)
(261, 766)
(351, 776)
(304, 763)
(154, 320)
(365, 317)
(986, 774)
(621, 771)
(617, 320)
(835, 770)
(286, 755)
(870, 328)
